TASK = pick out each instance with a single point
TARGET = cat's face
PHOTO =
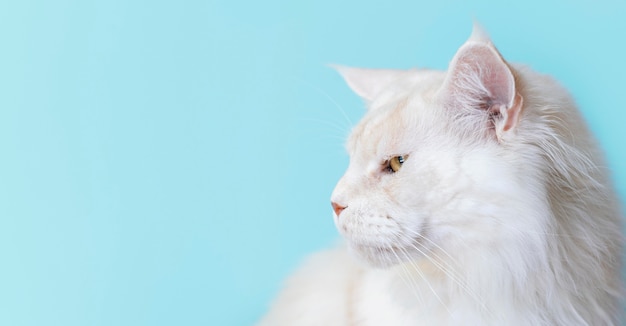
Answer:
(386, 188)
(427, 171)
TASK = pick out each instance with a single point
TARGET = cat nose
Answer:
(337, 208)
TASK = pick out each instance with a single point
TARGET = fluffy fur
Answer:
(502, 213)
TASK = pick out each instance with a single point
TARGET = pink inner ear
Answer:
(478, 68)
(478, 78)
(511, 115)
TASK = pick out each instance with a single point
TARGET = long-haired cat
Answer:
(475, 196)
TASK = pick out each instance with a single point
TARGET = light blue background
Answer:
(170, 162)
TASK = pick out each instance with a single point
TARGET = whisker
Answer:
(407, 277)
(448, 270)
(421, 274)
(325, 94)
(421, 236)
(452, 276)
(333, 125)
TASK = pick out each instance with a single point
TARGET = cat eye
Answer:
(395, 163)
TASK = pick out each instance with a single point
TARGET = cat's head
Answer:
(432, 165)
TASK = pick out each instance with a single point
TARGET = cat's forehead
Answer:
(384, 129)
(396, 117)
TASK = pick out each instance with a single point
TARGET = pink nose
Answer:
(337, 208)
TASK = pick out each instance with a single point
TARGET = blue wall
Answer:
(169, 162)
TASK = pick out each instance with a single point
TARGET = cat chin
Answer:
(381, 257)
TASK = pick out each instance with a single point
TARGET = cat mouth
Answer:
(404, 249)
(384, 256)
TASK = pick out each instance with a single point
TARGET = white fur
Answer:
(520, 227)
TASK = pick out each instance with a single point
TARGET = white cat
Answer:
(474, 196)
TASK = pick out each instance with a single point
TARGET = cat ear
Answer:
(479, 78)
(367, 83)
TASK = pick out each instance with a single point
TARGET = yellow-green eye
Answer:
(395, 163)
